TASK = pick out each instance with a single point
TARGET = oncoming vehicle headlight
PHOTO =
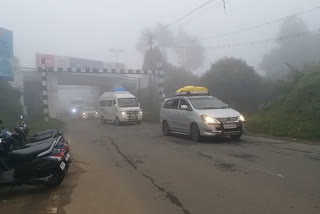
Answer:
(241, 118)
(96, 113)
(140, 112)
(73, 110)
(123, 113)
(84, 114)
(209, 120)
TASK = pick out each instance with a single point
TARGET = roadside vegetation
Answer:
(11, 109)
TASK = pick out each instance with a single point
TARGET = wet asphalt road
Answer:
(134, 169)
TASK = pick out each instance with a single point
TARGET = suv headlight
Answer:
(241, 118)
(209, 120)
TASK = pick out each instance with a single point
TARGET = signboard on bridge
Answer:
(53, 61)
(6, 54)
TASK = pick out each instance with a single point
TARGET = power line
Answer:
(264, 41)
(191, 12)
(214, 5)
(262, 24)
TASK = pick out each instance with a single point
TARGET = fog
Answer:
(90, 29)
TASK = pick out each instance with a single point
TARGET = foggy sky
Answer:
(90, 28)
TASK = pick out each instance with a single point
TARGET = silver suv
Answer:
(199, 116)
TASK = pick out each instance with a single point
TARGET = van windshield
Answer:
(128, 102)
(207, 103)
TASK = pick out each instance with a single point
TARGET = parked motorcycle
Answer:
(41, 164)
(23, 129)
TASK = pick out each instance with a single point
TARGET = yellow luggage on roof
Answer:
(192, 90)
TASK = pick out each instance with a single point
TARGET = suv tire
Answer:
(195, 133)
(165, 129)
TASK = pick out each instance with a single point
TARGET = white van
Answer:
(119, 107)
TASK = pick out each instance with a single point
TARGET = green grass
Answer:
(294, 113)
(37, 125)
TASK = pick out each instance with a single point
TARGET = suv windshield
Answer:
(128, 102)
(207, 103)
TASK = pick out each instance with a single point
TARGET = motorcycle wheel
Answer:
(56, 179)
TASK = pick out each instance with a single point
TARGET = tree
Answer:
(296, 46)
(187, 48)
(236, 83)
(10, 107)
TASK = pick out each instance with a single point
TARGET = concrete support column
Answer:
(53, 95)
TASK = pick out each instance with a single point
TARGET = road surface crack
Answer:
(169, 195)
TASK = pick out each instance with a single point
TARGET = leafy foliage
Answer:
(10, 107)
(236, 83)
(302, 48)
(295, 112)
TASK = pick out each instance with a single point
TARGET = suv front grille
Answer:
(228, 119)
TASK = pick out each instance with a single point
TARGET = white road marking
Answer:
(265, 171)
(52, 210)
(251, 167)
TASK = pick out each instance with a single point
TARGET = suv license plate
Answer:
(62, 165)
(67, 157)
(229, 126)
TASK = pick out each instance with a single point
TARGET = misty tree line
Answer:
(231, 79)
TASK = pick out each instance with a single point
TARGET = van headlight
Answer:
(209, 120)
(241, 118)
(140, 112)
(84, 114)
(123, 113)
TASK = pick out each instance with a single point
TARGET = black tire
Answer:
(56, 179)
(165, 128)
(117, 121)
(236, 137)
(195, 133)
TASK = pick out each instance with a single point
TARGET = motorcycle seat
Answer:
(47, 141)
(40, 137)
(45, 132)
(28, 153)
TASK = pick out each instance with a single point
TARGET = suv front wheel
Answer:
(195, 133)
(165, 128)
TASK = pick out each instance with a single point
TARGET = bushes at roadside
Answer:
(294, 113)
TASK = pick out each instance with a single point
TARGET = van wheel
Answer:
(117, 121)
(195, 133)
(102, 120)
(165, 129)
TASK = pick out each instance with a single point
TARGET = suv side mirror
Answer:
(115, 105)
(184, 107)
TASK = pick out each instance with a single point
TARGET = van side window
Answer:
(168, 104)
(183, 102)
(109, 103)
(175, 104)
(103, 103)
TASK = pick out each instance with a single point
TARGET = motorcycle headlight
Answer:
(209, 120)
(241, 118)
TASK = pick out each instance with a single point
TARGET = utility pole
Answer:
(150, 37)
